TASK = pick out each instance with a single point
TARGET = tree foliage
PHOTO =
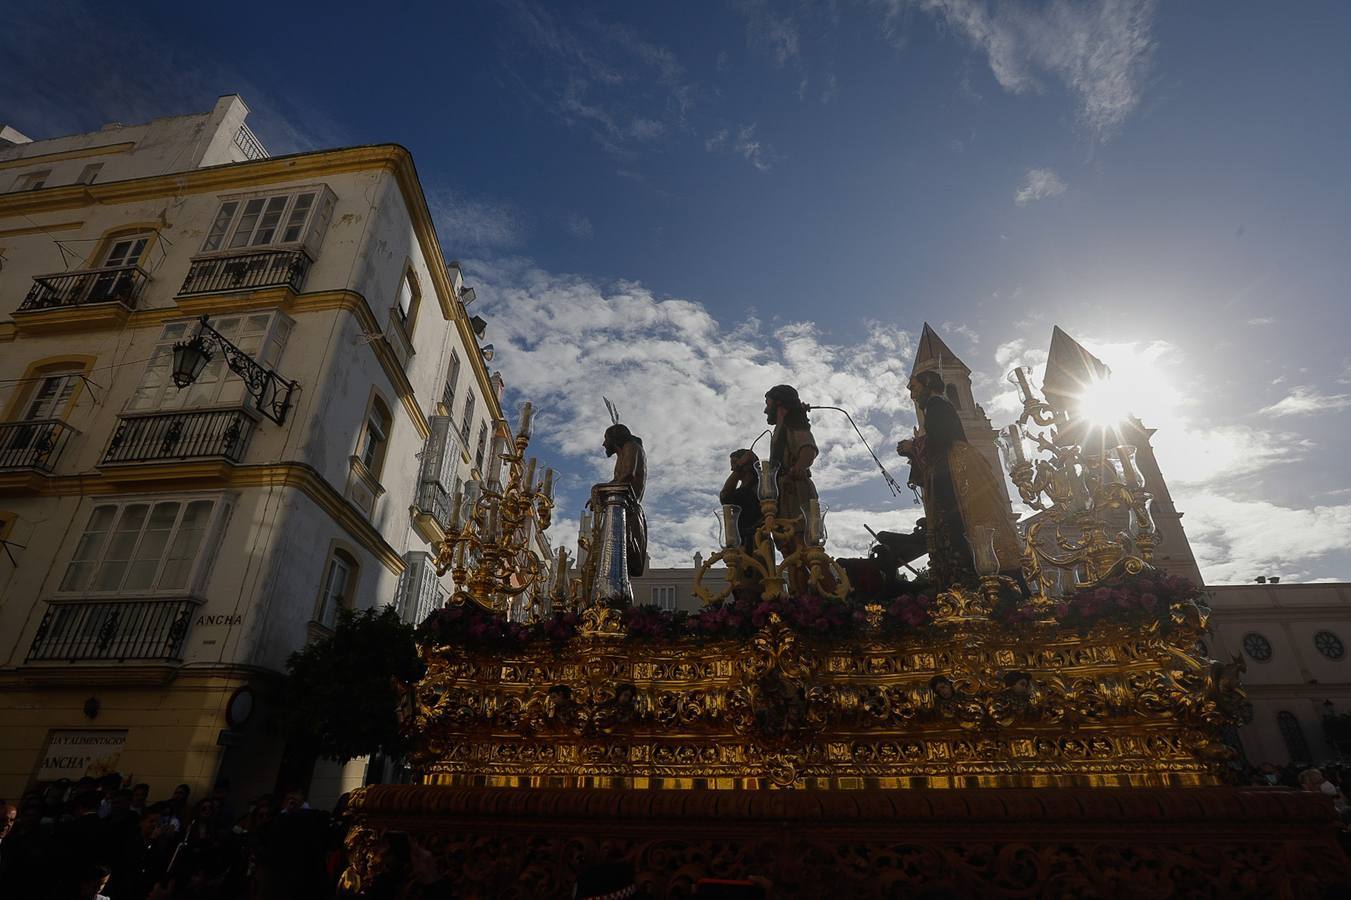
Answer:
(340, 697)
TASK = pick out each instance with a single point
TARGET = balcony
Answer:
(68, 290)
(113, 630)
(33, 443)
(246, 272)
(249, 144)
(199, 434)
(431, 511)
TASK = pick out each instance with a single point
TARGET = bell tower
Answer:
(933, 355)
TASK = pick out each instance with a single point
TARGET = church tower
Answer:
(1069, 367)
(933, 355)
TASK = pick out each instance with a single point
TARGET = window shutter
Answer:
(436, 475)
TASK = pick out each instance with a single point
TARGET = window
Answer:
(126, 251)
(419, 591)
(266, 221)
(89, 173)
(468, 424)
(260, 335)
(140, 547)
(408, 301)
(664, 597)
(340, 576)
(52, 394)
(482, 445)
(1257, 646)
(374, 437)
(452, 382)
(1293, 734)
(33, 180)
(1329, 645)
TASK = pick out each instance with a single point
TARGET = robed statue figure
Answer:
(961, 492)
(630, 469)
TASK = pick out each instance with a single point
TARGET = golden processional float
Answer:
(1058, 733)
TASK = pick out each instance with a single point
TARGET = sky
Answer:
(680, 205)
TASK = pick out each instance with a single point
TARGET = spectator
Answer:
(140, 796)
(93, 878)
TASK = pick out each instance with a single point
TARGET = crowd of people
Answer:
(104, 838)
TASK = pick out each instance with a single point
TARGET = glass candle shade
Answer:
(769, 479)
(473, 490)
(585, 530)
(526, 425)
(548, 487)
(983, 552)
(1123, 461)
(457, 511)
(492, 522)
(1142, 519)
(499, 447)
(1011, 439)
(1062, 582)
(729, 520)
(528, 479)
(814, 519)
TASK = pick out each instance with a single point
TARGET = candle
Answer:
(494, 472)
(1015, 442)
(493, 522)
(528, 480)
(1020, 373)
(456, 511)
(548, 488)
(527, 422)
(472, 491)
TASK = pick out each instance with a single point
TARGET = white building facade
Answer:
(165, 549)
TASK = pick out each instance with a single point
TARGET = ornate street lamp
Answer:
(270, 391)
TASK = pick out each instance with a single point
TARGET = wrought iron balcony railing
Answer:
(116, 284)
(249, 144)
(246, 272)
(113, 630)
(433, 501)
(33, 443)
(193, 434)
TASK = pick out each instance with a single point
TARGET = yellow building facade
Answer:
(166, 548)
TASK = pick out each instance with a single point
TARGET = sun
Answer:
(1105, 402)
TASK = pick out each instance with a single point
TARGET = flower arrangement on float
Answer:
(1130, 600)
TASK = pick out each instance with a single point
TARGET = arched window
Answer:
(339, 586)
(1293, 735)
(954, 397)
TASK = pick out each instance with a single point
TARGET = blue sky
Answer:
(679, 205)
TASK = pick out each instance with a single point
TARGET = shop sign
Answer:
(75, 754)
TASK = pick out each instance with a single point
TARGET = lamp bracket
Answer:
(270, 391)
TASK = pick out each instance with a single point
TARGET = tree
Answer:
(340, 698)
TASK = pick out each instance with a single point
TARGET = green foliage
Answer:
(340, 696)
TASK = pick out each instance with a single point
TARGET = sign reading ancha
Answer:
(75, 754)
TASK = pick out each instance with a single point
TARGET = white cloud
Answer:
(776, 35)
(691, 387)
(1235, 540)
(1262, 321)
(463, 222)
(579, 226)
(1304, 401)
(743, 144)
(1100, 50)
(1038, 184)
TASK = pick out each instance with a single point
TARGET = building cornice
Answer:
(206, 475)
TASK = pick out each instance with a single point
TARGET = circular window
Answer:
(1329, 645)
(1256, 646)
